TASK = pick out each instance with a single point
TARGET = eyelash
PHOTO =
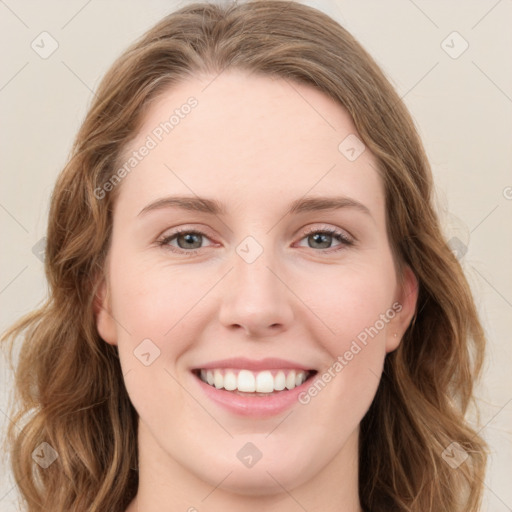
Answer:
(336, 234)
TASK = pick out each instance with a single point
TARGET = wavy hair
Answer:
(69, 389)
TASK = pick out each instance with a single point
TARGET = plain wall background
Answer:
(462, 106)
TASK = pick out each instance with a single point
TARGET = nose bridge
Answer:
(255, 296)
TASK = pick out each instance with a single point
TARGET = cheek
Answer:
(154, 301)
(155, 318)
(351, 302)
(355, 308)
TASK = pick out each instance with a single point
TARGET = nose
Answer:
(256, 298)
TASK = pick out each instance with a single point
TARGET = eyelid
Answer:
(328, 228)
(305, 231)
(172, 233)
(184, 228)
(345, 238)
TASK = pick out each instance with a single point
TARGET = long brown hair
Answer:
(70, 390)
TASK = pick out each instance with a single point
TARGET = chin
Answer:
(255, 483)
(265, 477)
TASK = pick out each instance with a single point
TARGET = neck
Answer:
(165, 482)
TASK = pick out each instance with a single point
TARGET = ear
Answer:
(405, 308)
(105, 323)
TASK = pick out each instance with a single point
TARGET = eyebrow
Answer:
(214, 207)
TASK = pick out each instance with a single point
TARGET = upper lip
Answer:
(243, 363)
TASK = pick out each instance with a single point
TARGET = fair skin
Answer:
(255, 144)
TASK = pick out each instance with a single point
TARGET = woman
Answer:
(253, 370)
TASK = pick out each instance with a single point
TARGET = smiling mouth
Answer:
(249, 383)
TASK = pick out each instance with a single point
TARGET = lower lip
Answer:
(254, 406)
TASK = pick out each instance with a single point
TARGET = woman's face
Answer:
(249, 279)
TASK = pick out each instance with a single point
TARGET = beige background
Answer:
(462, 105)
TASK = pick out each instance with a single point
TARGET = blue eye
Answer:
(320, 235)
(189, 236)
(190, 241)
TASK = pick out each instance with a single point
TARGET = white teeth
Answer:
(218, 379)
(279, 381)
(230, 381)
(290, 380)
(264, 382)
(247, 381)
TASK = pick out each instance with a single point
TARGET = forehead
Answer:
(242, 138)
